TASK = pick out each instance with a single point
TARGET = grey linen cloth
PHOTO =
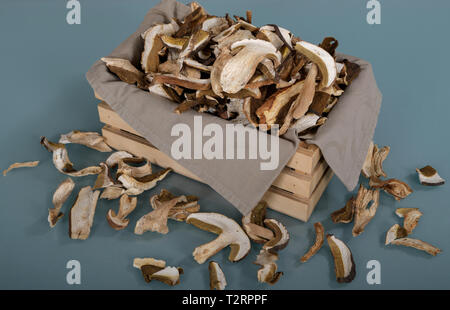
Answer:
(344, 139)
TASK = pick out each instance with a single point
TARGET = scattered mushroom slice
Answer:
(135, 172)
(401, 212)
(126, 71)
(28, 164)
(104, 178)
(253, 224)
(185, 206)
(344, 215)
(153, 44)
(139, 262)
(157, 219)
(126, 206)
(281, 238)
(82, 213)
(395, 232)
(324, 61)
(344, 266)
(429, 176)
(90, 139)
(187, 82)
(373, 164)
(241, 67)
(59, 197)
(115, 157)
(217, 278)
(394, 187)
(112, 192)
(154, 269)
(417, 244)
(411, 220)
(363, 213)
(136, 186)
(230, 233)
(62, 162)
(320, 237)
(268, 271)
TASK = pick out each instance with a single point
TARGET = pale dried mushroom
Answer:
(59, 197)
(104, 178)
(185, 206)
(417, 244)
(112, 192)
(395, 232)
(136, 186)
(411, 220)
(344, 215)
(401, 212)
(126, 206)
(92, 140)
(154, 269)
(115, 157)
(125, 167)
(82, 213)
(363, 213)
(344, 266)
(125, 70)
(217, 278)
(320, 238)
(28, 164)
(230, 234)
(394, 187)
(268, 271)
(429, 176)
(281, 236)
(373, 164)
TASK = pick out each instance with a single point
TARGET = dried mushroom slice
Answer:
(239, 35)
(268, 271)
(320, 102)
(216, 71)
(363, 213)
(306, 97)
(112, 192)
(281, 238)
(306, 122)
(329, 44)
(59, 197)
(185, 206)
(429, 176)
(411, 220)
(28, 164)
(401, 212)
(153, 45)
(253, 224)
(157, 263)
(92, 140)
(125, 70)
(394, 187)
(417, 244)
(344, 266)
(136, 186)
(217, 280)
(183, 81)
(324, 61)
(62, 162)
(175, 43)
(126, 206)
(104, 178)
(230, 234)
(82, 213)
(349, 72)
(320, 238)
(395, 232)
(373, 164)
(241, 67)
(192, 21)
(344, 215)
(115, 157)
(125, 167)
(154, 269)
(214, 25)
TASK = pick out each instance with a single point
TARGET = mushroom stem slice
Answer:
(429, 176)
(230, 234)
(82, 213)
(344, 215)
(320, 238)
(92, 140)
(364, 214)
(417, 244)
(28, 164)
(59, 197)
(394, 187)
(344, 266)
(126, 206)
(217, 278)
(281, 238)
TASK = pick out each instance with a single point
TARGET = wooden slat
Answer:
(304, 160)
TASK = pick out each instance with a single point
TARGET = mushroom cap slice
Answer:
(429, 176)
(104, 178)
(281, 238)
(217, 278)
(394, 187)
(411, 220)
(126, 206)
(82, 213)
(268, 271)
(241, 67)
(230, 233)
(325, 62)
(344, 266)
(395, 232)
(134, 171)
(402, 212)
(125, 70)
(253, 224)
(59, 197)
(168, 275)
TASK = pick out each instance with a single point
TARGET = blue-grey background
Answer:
(43, 91)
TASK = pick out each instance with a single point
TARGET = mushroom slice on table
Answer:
(344, 215)
(126, 206)
(62, 162)
(320, 238)
(363, 213)
(230, 234)
(411, 219)
(92, 140)
(154, 269)
(429, 176)
(281, 236)
(104, 178)
(344, 266)
(28, 164)
(185, 206)
(112, 192)
(373, 164)
(395, 232)
(125, 167)
(253, 224)
(417, 244)
(59, 197)
(115, 157)
(125, 71)
(136, 186)
(394, 187)
(82, 213)
(268, 271)
(217, 278)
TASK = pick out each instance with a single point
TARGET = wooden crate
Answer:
(295, 192)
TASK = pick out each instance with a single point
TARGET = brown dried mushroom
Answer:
(126, 206)
(363, 213)
(125, 70)
(281, 236)
(394, 187)
(230, 234)
(92, 140)
(268, 271)
(185, 206)
(429, 176)
(253, 224)
(59, 197)
(395, 232)
(217, 278)
(373, 164)
(344, 215)
(320, 238)
(28, 164)
(154, 269)
(344, 266)
(136, 186)
(82, 213)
